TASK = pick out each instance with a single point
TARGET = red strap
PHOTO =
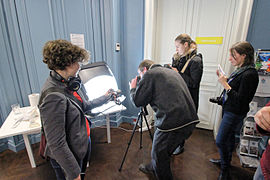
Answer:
(87, 124)
(77, 96)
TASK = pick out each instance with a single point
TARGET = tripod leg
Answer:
(133, 131)
(148, 126)
(141, 130)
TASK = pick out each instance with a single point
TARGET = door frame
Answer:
(239, 33)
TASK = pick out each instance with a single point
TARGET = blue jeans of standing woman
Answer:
(258, 174)
(230, 125)
(60, 175)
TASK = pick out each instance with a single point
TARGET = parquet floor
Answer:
(106, 158)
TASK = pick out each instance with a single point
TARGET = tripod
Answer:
(142, 114)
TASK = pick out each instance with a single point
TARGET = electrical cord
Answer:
(127, 130)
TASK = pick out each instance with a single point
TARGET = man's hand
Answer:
(262, 118)
(78, 178)
(133, 83)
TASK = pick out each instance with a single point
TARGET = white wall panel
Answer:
(202, 18)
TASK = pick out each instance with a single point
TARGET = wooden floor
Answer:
(106, 158)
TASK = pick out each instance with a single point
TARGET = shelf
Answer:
(250, 136)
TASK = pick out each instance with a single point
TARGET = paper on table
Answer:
(30, 115)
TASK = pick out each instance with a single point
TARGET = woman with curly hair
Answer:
(62, 106)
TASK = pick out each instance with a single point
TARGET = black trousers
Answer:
(164, 144)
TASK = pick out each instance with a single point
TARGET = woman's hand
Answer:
(223, 80)
(109, 92)
(175, 69)
(112, 94)
(78, 178)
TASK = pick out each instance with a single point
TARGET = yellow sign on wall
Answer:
(209, 40)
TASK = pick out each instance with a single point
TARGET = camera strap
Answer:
(186, 64)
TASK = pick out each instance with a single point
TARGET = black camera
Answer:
(217, 100)
(138, 80)
(114, 95)
(167, 66)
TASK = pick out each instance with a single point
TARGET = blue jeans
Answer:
(60, 175)
(258, 174)
(230, 125)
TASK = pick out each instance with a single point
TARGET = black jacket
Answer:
(167, 93)
(243, 90)
(192, 74)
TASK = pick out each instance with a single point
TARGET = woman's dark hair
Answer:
(145, 63)
(59, 54)
(244, 47)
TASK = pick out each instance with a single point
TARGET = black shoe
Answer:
(178, 150)
(146, 169)
(224, 175)
(215, 161)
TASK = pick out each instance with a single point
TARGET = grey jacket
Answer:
(64, 126)
(167, 93)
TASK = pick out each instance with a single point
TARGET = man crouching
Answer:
(176, 117)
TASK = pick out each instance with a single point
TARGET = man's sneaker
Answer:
(146, 169)
(215, 161)
(178, 150)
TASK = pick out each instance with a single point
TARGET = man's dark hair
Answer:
(145, 63)
(59, 54)
(244, 47)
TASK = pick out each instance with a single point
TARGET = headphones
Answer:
(73, 83)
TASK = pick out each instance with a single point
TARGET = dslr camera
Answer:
(114, 95)
(217, 100)
(167, 66)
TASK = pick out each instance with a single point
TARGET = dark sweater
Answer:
(167, 93)
(243, 90)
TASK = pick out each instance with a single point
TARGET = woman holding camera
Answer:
(66, 130)
(239, 90)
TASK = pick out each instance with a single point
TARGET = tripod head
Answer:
(143, 111)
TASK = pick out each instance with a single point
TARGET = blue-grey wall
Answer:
(25, 25)
(259, 28)
(132, 18)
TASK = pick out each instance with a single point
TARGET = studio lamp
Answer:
(98, 79)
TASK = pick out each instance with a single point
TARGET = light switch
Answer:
(117, 46)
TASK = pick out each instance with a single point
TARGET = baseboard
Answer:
(114, 122)
(3, 146)
(16, 146)
(19, 145)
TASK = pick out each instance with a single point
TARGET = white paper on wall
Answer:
(77, 39)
